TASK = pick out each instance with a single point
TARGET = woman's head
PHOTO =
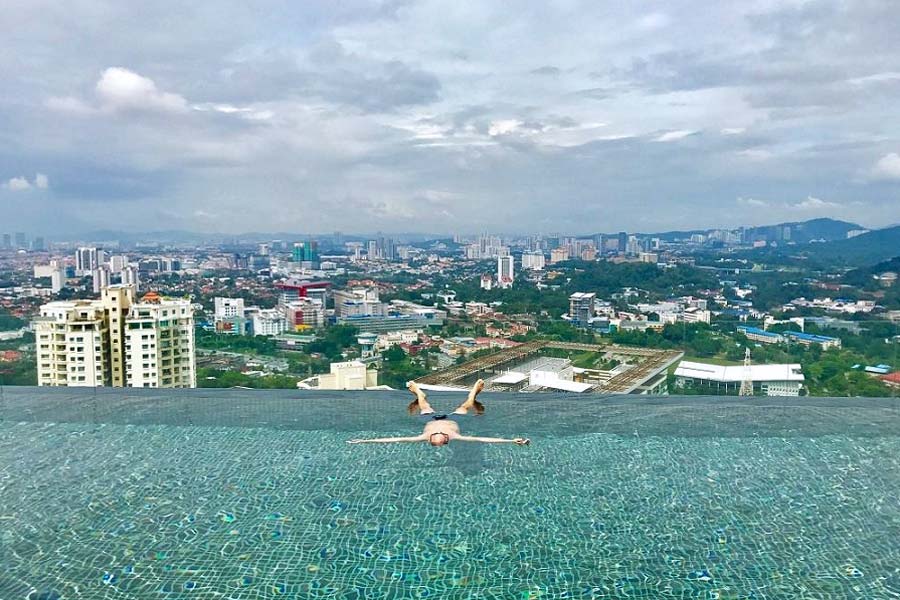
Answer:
(439, 439)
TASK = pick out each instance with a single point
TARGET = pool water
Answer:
(251, 495)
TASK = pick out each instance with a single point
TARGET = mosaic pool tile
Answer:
(99, 510)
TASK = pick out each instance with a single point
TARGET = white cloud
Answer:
(121, 89)
(21, 183)
(887, 167)
(733, 130)
(876, 78)
(755, 154)
(812, 203)
(671, 136)
(752, 202)
(503, 127)
(17, 184)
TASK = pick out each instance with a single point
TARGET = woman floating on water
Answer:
(441, 429)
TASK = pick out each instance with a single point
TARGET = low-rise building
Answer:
(719, 380)
(268, 321)
(762, 336)
(809, 339)
(350, 375)
(696, 315)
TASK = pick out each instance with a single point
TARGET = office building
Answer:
(116, 341)
(358, 302)
(294, 289)
(38, 245)
(505, 271)
(303, 314)
(228, 316)
(21, 241)
(622, 244)
(487, 282)
(581, 307)
(7, 242)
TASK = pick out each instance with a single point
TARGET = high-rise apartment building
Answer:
(131, 276)
(116, 341)
(505, 271)
(159, 344)
(533, 260)
(117, 263)
(85, 261)
(559, 255)
(100, 277)
(72, 343)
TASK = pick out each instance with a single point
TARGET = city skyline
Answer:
(418, 116)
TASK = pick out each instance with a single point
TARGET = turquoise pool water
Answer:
(252, 495)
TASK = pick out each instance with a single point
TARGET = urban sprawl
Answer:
(749, 311)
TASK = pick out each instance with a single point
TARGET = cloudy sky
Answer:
(452, 116)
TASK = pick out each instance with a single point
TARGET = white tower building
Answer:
(505, 271)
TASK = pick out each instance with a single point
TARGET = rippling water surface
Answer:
(232, 495)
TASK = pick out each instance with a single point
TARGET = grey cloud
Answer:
(546, 70)
(329, 73)
(418, 115)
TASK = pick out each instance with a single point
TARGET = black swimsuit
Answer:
(439, 417)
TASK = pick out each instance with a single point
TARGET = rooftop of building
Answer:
(757, 331)
(811, 337)
(737, 373)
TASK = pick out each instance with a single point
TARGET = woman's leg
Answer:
(420, 403)
(471, 401)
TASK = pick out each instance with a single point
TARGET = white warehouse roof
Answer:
(784, 372)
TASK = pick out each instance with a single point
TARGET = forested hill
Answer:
(860, 251)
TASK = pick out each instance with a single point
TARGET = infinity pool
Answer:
(248, 494)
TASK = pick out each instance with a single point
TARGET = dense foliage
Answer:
(9, 322)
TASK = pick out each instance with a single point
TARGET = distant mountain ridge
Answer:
(822, 229)
(870, 248)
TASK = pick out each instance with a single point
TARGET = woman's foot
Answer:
(471, 401)
(420, 404)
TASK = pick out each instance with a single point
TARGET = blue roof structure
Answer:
(810, 337)
(757, 331)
